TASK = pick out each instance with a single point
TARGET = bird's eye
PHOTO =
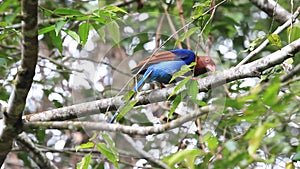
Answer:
(207, 60)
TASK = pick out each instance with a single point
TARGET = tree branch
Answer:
(24, 78)
(38, 156)
(273, 9)
(132, 130)
(252, 69)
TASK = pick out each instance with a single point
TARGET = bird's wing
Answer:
(157, 58)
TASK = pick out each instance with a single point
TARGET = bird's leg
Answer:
(162, 86)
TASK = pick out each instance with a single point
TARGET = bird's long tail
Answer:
(135, 89)
(142, 81)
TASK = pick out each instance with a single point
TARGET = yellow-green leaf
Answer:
(125, 109)
(186, 156)
(179, 86)
(46, 29)
(175, 103)
(275, 40)
(270, 94)
(187, 34)
(66, 11)
(114, 9)
(258, 134)
(183, 70)
(111, 144)
(107, 153)
(85, 145)
(113, 29)
(192, 89)
(85, 162)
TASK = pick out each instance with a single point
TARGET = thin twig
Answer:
(179, 6)
(172, 27)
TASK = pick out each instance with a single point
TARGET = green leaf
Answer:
(199, 7)
(73, 35)
(113, 30)
(3, 24)
(275, 40)
(114, 9)
(46, 29)
(256, 137)
(296, 156)
(57, 104)
(85, 145)
(125, 109)
(58, 26)
(5, 5)
(66, 11)
(3, 62)
(294, 33)
(192, 89)
(185, 156)
(270, 94)
(183, 70)
(111, 144)
(56, 41)
(175, 103)
(100, 30)
(187, 34)
(127, 96)
(83, 32)
(211, 141)
(93, 137)
(107, 153)
(235, 103)
(26, 160)
(85, 162)
(255, 43)
(179, 86)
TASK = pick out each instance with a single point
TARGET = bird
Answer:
(161, 66)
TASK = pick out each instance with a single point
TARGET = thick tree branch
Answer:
(38, 156)
(101, 106)
(273, 9)
(24, 78)
(266, 42)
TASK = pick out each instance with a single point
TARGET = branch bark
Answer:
(24, 79)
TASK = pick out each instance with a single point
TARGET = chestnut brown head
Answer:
(204, 64)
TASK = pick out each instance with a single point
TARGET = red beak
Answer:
(211, 68)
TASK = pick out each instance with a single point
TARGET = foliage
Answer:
(87, 50)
